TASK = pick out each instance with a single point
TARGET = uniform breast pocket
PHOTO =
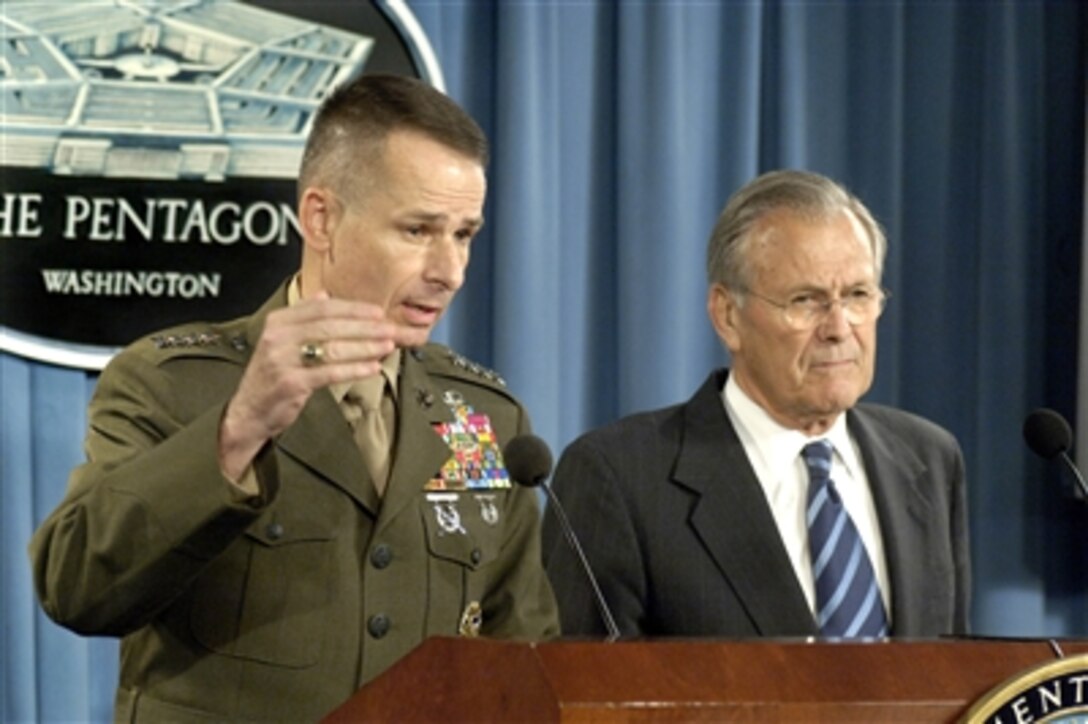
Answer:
(266, 597)
(464, 536)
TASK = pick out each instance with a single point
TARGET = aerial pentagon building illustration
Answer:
(164, 89)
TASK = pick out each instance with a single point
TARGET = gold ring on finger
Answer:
(311, 354)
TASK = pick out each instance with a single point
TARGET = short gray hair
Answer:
(802, 192)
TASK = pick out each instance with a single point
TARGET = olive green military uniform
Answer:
(280, 609)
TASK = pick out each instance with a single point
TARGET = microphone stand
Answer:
(1082, 487)
(568, 532)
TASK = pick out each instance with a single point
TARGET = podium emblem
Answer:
(1055, 692)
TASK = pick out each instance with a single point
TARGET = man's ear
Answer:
(722, 308)
(318, 216)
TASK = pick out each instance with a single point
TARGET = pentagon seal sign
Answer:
(1055, 692)
(148, 156)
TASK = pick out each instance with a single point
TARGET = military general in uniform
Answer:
(277, 508)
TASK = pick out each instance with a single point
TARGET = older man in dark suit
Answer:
(772, 503)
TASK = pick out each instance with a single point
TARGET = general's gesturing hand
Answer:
(304, 347)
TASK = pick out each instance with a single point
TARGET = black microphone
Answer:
(529, 462)
(1049, 435)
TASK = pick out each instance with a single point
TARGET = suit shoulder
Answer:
(905, 424)
(652, 427)
(441, 361)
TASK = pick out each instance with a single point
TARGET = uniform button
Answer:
(378, 625)
(381, 556)
(476, 556)
(274, 531)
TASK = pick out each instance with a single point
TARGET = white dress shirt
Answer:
(775, 454)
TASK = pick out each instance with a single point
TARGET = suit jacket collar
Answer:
(733, 519)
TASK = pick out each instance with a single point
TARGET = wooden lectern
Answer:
(475, 680)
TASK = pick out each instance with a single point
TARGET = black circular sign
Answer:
(150, 152)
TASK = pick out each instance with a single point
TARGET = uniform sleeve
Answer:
(146, 512)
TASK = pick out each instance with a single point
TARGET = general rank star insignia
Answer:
(476, 461)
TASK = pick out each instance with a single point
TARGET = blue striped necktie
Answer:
(848, 600)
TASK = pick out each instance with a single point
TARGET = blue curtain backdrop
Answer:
(619, 129)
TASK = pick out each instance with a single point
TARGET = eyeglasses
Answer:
(807, 310)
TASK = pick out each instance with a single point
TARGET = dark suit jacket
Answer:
(279, 610)
(676, 526)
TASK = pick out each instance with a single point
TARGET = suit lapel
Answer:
(894, 471)
(733, 519)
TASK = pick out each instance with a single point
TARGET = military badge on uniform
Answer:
(471, 620)
(446, 514)
(476, 461)
(489, 512)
